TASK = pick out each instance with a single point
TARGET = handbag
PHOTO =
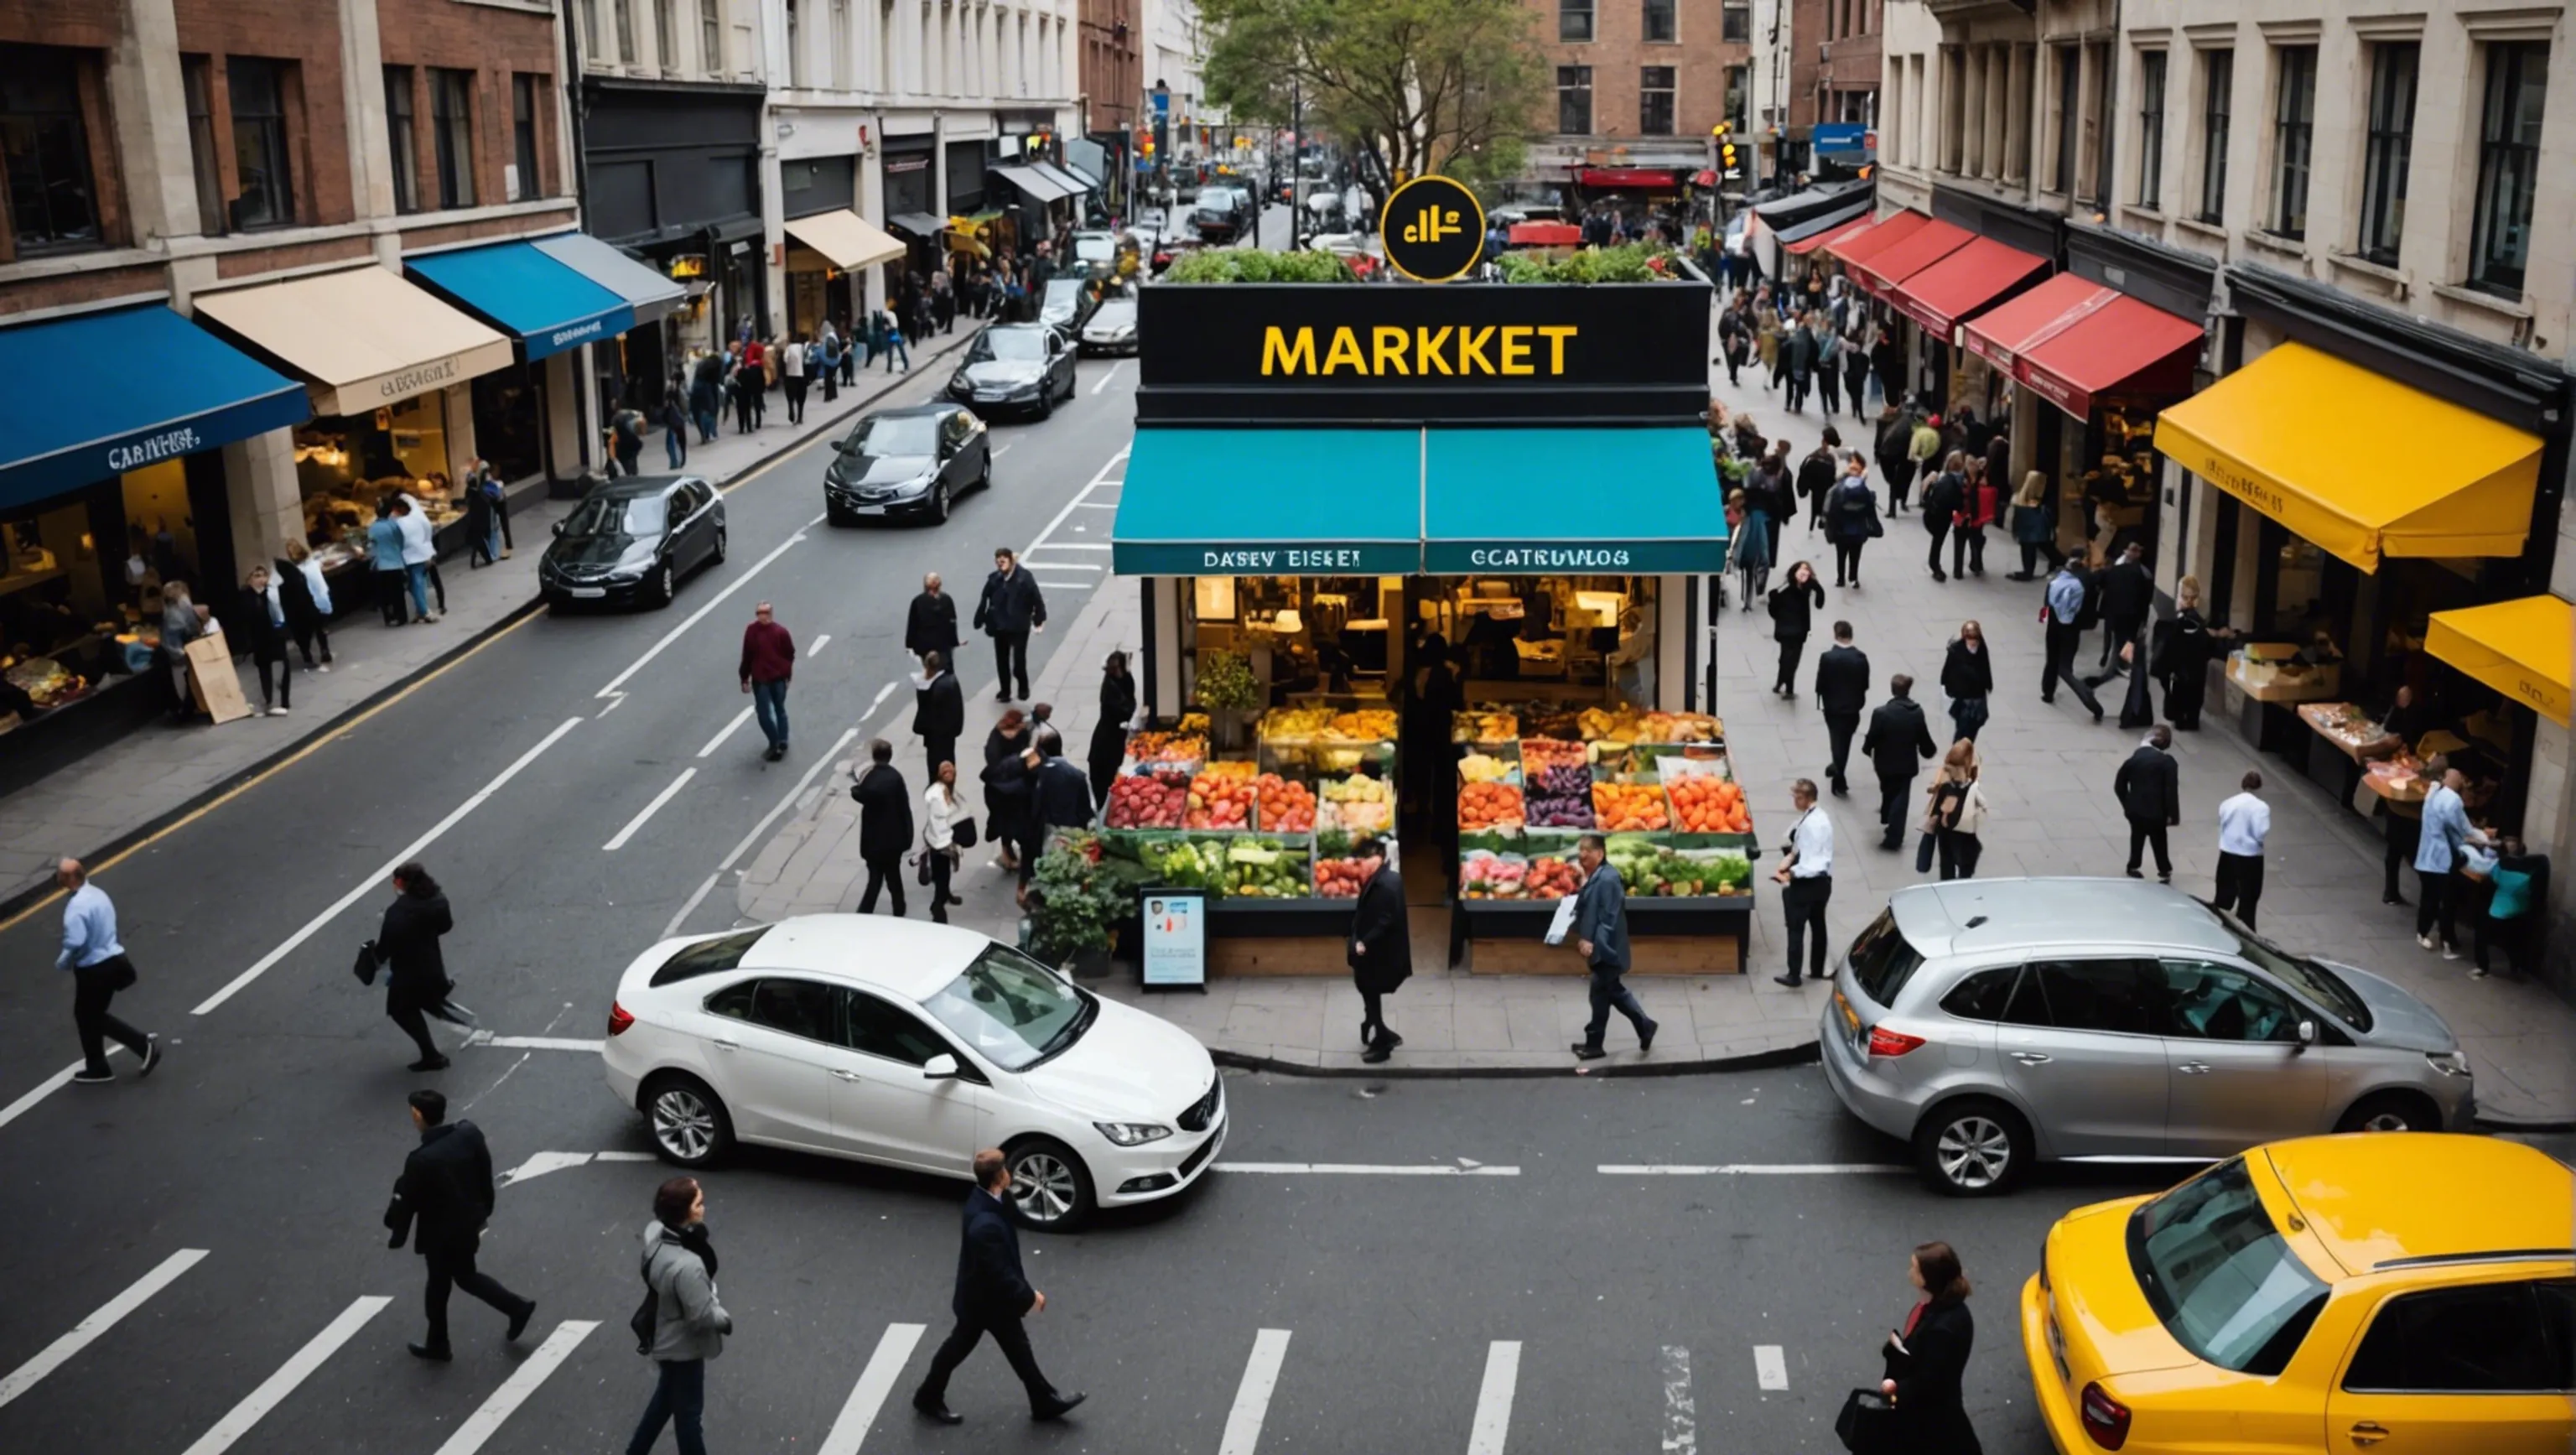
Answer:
(962, 833)
(1867, 1424)
(921, 867)
(1923, 853)
(365, 969)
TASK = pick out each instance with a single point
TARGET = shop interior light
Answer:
(1605, 606)
(1288, 622)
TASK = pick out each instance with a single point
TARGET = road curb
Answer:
(1390, 1071)
(2524, 1125)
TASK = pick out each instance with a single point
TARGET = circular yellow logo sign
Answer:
(1433, 229)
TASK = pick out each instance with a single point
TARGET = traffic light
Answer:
(1724, 135)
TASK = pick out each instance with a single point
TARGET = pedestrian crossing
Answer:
(896, 1359)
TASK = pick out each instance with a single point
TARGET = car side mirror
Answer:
(2307, 1033)
(559, 525)
(942, 1067)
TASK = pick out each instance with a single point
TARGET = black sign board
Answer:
(1433, 228)
(1394, 354)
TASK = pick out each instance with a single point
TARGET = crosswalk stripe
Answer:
(876, 1381)
(54, 1355)
(273, 1390)
(1252, 1396)
(1770, 1366)
(1494, 1400)
(514, 1391)
(1681, 1412)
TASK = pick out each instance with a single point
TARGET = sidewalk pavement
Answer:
(113, 797)
(2047, 777)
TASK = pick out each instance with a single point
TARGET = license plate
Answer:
(587, 593)
(2056, 1344)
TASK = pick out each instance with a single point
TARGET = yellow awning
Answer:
(362, 339)
(2524, 649)
(2361, 465)
(846, 240)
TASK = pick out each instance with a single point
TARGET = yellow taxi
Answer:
(2394, 1294)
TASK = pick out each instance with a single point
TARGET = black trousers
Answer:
(1847, 561)
(1011, 663)
(883, 871)
(940, 865)
(795, 398)
(935, 751)
(2240, 885)
(285, 683)
(2403, 834)
(1967, 549)
(1959, 853)
(2437, 905)
(1609, 992)
(1373, 1026)
(310, 633)
(93, 986)
(2063, 639)
(1791, 649)
(2144, 833)
(437, 587)
(1856, 384)
(1839, 727)
(1802, 905)
(415, 1025)
(1895, 799)
(1007, 1331)
(1829, 388)
(1940, 538)
(2113, 634)
(455, 1267)
(2512, 935)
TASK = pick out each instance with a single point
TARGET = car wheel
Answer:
(984, 476)
(2390, 1111)
(690, 1125)
(939, 503)
(1972, 1147)
(1046, 404)
(666, 584)
(1049, 1186)
(715, 557)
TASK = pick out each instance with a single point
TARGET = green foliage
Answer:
(1077, 897)
(1627, 263)
(1226, 682)
(1257, 265)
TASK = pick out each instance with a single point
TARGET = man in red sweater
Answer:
(768, 660)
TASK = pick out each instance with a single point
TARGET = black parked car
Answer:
(908, 464)
(632, 540)
(1010, 366)
(1222, 214)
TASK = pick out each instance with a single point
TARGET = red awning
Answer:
(1881, 235)
(1546, 235)
(1963, 283)
(1931, 242)
(1830, 236)
(1704, 179)
(2071, 341)
(1999, 334)
(1627, 179)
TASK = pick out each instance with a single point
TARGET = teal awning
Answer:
(1271, 502)
(1524, 501)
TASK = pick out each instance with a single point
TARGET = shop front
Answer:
(636, 354)
(550, 308)
(671, 175)
(105, 493)
(828, 255)
(1452, 590)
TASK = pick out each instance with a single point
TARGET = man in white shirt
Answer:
(791, 372)
(2243, 823)
(1806, 877)
(420, 556)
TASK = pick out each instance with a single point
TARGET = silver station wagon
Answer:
(1997, 1022)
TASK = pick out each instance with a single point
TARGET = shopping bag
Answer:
(1562, 923)
(1867, 1424)
(962, 833)
(1923, 853)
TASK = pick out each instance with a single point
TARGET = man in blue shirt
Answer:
(99, 970)
(2437, 856)
(2064, 615)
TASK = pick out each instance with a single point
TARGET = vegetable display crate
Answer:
(1707, 935)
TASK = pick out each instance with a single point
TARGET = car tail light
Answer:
(1884, 1042)
(2105, 1418)
(618, 1019)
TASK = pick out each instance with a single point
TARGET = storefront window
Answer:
(346, 464)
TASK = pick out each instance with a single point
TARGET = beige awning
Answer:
(362, 339)
(846, 240)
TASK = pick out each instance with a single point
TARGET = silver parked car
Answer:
(1995, 1022)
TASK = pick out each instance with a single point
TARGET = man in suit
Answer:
(939, 711)
(1817, 474)
(992, 1297)
(2149, 787)
(1381, 948)
(1896, 746)
(1062, 790)
(1601, 938)
(1010, 608)
(441, 1202)
(1842, 689)
(885, 826)
(2128, 595)
(930, 624)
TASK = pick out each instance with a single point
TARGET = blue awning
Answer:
(1612, 501)
(513, 286)
(169, 389)
(650, 292)
(1270, 502)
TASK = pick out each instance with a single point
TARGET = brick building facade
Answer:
(1637, 86)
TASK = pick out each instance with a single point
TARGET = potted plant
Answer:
(1227, 689)
(1076, 899)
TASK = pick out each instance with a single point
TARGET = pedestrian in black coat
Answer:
(1943, 496)
(1006, 787)
(992, 1296)
(440, 1205)
(1896, 745)
(1842, 690)
(1381, 948)
(259, 623)
(1062, 791)
(1851, 520)
(2149, 787)
(938, 713)
(307, 616)
(930, 624)
(1895, 451)
(1816, 476)
(885, 825)
(416, 986)
(1793, 610)
(1798, 353)
(1968, 679)
(1109, 734)
(2128, 593)
(1010, 608)
(1927, 1361)
(2184, 648)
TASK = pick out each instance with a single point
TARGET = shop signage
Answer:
(1433, 229)
(136, 454)
(689, 265)
(1223, 558)
(409, 382)
(1460, 558)
(1175, 924)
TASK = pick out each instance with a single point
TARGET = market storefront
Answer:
(1514, 482)
(828, 255)
(551, 308)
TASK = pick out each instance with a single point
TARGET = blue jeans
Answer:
(417, 579)
(894, 349)
(1610, 993)
(769, 704)
(707, 426)
(676, 443)
(679, 1399)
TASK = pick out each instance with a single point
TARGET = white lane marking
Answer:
(273, 1390)
(1108, 374)
(817, 644)
(49, 1086)
(1746, 1169)
(373, 883)
(1252, 1396)
(1770, 1366)
(1004, 450)
(699, 615)
(1494, 1400)
(1098, 505)
(1681, 1423)
(1365, 1169)
(794, 792)
(650, 809)
(54, 1355)
(1096, 482)
(534, 1043)
(728, 730)
(1063, 585)
(514, 1391)
(541, 1164)
(673, 928)
(876, 1381)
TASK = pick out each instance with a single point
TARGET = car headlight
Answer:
(959, 382)
(1133, 1134)
(2449, 1063)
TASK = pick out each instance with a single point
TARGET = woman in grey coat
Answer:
(689, 1324)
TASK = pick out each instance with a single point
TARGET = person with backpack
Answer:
(1851, 520)
(1893, 448)
(682, 1323)
(1943, 495)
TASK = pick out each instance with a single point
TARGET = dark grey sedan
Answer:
(632, 540)
(1015, 366)
(907, 464)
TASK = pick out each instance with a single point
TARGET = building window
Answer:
(258, 90)
(711, 36)
(2384, 158)
(1735, 22)
(2070, 92)
(666, 36)
(526, 93)
(1574, 100)
(2151, 129)
(795, 47)
(841, 47)
(2508, 165)
(196, 76)
(2294, 122)
(1659, 20)
(1655, 101)
(1573, 19)
(451, 126)
(1738, 89)
(403, 138)
(625, 13)
(2217, 79)
(52, 201)
(585, 16)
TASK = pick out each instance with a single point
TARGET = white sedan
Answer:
(911, 1044)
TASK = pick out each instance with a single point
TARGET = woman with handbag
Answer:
(407, 944)
(1954, 814)
(947, 831)
(1926, 1362)
(1968, 678)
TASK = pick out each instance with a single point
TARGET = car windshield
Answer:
(616, 515)
(2220, 1276)
(724, 952)
(1014, 1011)
(910, 434)
(2305, 976)
(1019, 345)
(1065, 292)
(1882, 961)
